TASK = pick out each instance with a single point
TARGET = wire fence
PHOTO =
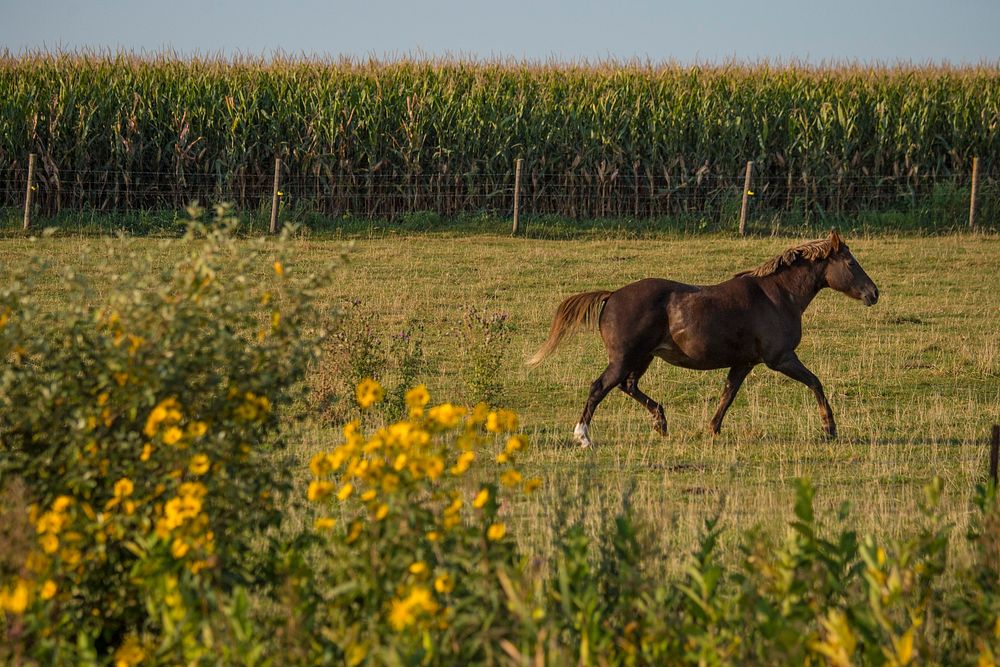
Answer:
(388, 193)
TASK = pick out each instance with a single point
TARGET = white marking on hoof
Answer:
(582, 435)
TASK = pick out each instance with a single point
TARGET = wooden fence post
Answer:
(994, 452)
(274, 196)
(517, 196)
(746, 195)
(27, 192)
(972, 195)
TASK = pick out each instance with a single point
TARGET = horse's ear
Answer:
(835, 240)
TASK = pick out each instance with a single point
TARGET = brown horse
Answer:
(754, 317)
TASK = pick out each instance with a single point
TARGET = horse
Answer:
(754, 317)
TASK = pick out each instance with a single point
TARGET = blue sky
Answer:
(920, 31)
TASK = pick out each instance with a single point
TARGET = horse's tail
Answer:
(577, 311)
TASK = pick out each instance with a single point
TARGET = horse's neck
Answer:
(801, 282)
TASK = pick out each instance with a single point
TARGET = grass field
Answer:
(914, 381)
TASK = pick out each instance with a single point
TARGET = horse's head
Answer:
(844, 274)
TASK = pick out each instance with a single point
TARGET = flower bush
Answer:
(408, 520)
(138, 415)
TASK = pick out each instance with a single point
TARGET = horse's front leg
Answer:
(733, 383)
(790, 365)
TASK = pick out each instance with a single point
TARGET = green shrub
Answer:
(137, 415)
(487, 340)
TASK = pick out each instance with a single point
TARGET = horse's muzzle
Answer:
(870, 297)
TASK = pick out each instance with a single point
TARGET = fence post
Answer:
(517, 196)
(746, 195)
(28, 190)
(972, 195)
(274, 196)
(994, 452)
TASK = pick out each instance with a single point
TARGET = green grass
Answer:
(914, 382)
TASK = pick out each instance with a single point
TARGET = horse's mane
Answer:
(810, 251)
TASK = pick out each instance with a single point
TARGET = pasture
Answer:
(913, 381)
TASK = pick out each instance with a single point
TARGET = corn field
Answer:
(377, 139)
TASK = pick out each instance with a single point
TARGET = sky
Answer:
(873, 31)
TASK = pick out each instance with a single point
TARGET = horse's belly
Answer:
(698, 350)
(670, 353)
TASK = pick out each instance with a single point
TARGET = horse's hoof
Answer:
(582, 435)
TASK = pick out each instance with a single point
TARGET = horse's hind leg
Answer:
(631, 387)
(795, 369)
(612, 376)
(733, 383)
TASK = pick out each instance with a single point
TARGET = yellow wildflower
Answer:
(318, 490)
(197, 429)
(531, 485)
(172, 435)
(278, 268)
(501, 421)
(481, 499)
(454, 507)
(444, 584)
(49, 542)
(324, 523)
(433, 536)
(434, 467)
(355, 654)
(123, 487)
(496, 532)
(401, 614)
(465, 460)
(320, 465)
(418, 568)
(50, 522)
(345, 491)
(192, 489)
(15, 600)
(416, 399)
(61, 503)
(510, 478)
(49, 589)
(478, 415)
(179, 548)
(368, 392)
(446, 415)
(147, 452)
(382, 512)
(516, 443)
(355, 532)
(129, 654)
(158, 414)
(199, 464)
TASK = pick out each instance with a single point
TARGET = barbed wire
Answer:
(575, 194)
